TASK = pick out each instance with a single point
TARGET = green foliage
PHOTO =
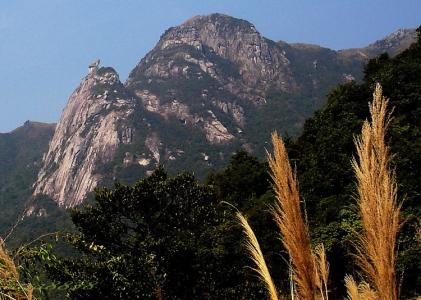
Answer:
(170, 236)
(47, 218)
(33, 261)
(245, 184)
(244, 178)
(137, 242)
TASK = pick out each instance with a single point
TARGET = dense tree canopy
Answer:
(150, 240)
(167, 237)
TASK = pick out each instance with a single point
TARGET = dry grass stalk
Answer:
(10, 287)
(359, 292)
(322, 268)
(256, 254)
(8, 270)
(352, 288)
(306, 266)
(379, 210)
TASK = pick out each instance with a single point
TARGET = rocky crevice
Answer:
(215, 131)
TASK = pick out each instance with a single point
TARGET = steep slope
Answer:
(89, 132)
(221, 69)
(20, 160)
(228, 50)
(211, 86)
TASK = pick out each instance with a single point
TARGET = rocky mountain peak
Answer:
(220, 22)
(89, 131)
(228, 50)
(233, 39)
(395, 42)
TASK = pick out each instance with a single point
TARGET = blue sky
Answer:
(46, 45)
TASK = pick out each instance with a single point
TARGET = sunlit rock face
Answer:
(228, 50)
(89, 132)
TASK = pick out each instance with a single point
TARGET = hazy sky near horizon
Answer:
(46, 45)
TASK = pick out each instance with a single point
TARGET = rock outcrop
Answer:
(214, 44)
(88, 134)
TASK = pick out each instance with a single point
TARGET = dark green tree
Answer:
(245, 183)
(244, 178)
(151, 240)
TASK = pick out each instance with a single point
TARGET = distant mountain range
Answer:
(211, 86)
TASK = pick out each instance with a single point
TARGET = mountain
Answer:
(210, 86)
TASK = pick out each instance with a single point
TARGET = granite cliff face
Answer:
(210, 45)
(210, 86)
(89, 132)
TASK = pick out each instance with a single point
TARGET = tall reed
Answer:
(377, 201)
(361, 291)
(256, 254)
(309, 267)
(378, 208)
(310, 270)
